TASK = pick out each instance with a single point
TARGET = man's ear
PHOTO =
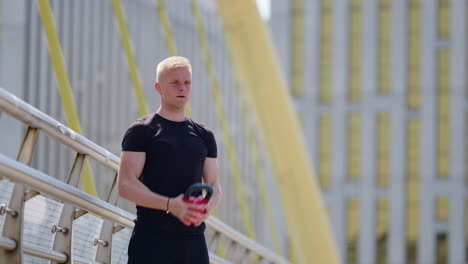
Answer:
(157, 86)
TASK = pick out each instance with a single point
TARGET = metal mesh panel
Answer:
(120, 246)
(40, 213)
(86, 229)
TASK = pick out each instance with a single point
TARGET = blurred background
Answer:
(380, 89)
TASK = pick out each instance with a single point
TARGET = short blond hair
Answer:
(172, 63)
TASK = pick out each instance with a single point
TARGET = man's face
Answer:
(174, 87)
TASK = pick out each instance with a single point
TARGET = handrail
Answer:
(33, 117)
(215, 259)
(244, 240)
(41, 182)
(48, 254)
(21, 173)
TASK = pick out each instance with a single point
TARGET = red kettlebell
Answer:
(197, 187)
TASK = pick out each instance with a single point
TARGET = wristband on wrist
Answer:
(167, 205)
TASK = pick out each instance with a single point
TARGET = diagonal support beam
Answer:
(257, 67)
(134, 76)
(63, 84)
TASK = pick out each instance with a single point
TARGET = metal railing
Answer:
(78, 203)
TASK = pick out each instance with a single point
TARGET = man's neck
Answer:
(176, 116)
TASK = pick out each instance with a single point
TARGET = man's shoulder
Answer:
(203, 128)
(138, 134)
(144, 122)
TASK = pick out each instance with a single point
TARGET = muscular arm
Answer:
(132, 189)
(211, 176)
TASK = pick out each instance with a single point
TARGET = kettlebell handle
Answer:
(199, 187)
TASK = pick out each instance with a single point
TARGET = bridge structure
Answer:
(91, 63)
(25, 188)
(341, 125)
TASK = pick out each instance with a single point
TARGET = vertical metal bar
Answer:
(398, 75)
(333, 83)
(63, 241)
(366, 248)
(459, 17)
(104, 251)
(428, 134)
(13, 225)
(214, 240)
(231, 250)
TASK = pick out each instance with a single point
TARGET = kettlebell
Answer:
(197, 187)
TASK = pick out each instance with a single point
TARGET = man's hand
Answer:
(188, 213)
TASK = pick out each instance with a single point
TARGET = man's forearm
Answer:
(138, 193)
(216, 197)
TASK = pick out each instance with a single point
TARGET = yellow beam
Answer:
(63, 84)
(260, 174)
(129, 56)
(255, 62)
(250, 129)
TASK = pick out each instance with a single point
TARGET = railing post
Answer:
(63, 241)
(104, 251)
(13, 226)
(213, 242)
(231, 250)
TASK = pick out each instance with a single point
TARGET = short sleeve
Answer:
(212, 147)
(136, 138)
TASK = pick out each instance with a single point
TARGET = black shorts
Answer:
(155, 247)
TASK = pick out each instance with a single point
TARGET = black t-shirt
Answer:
(175, 153)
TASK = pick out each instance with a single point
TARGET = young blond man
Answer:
(162, 155)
